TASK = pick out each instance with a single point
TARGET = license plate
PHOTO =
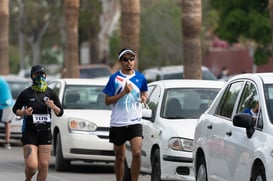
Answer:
(15, 128)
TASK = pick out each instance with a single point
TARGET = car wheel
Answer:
(127, 172)
(201, 174)
(259, 174)
(156, 171)
(60, 163)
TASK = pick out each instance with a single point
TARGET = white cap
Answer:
(126, 51)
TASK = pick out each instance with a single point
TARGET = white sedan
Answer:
(233, 139)
(168, 126)
(82, 133)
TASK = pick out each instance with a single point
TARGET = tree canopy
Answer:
(246, 20)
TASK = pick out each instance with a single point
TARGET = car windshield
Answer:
(182, 103)
(94, 72)
(268, 91)
(84, 97)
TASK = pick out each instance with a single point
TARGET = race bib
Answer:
(41, 118)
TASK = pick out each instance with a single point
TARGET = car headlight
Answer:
(181, 144)
(81, 125)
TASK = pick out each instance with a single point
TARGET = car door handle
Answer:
(229, 133)
(209, 126)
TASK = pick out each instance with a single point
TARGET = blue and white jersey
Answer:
(127, 110)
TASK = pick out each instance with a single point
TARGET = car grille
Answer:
(91, 152)
(103, 129)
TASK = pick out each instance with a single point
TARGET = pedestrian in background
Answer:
(224, 73)
(34, 104)
(6, 103)
(125, 91)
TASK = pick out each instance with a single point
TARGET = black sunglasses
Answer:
(126, 59)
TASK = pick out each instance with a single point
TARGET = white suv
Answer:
(234, 139)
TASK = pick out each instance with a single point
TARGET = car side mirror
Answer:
(146, 113)
(245, 120)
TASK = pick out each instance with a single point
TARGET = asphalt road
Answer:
(12, 168)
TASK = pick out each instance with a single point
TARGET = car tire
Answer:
(201, 174)
(127, 172)
(60, 163)
(156, 170)
(258, 174)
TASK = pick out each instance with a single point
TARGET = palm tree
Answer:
(71, 49)
(4, 34)
(130, 25)
(191, 27)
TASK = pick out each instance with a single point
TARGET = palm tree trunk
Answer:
(130, 25)
(4, 34)
(21, 37)
(271, 22)
(191, 27)
(71, 49)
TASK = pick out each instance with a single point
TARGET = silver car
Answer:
(173, 72)
(17, 84)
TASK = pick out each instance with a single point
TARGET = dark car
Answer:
(95, 71)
